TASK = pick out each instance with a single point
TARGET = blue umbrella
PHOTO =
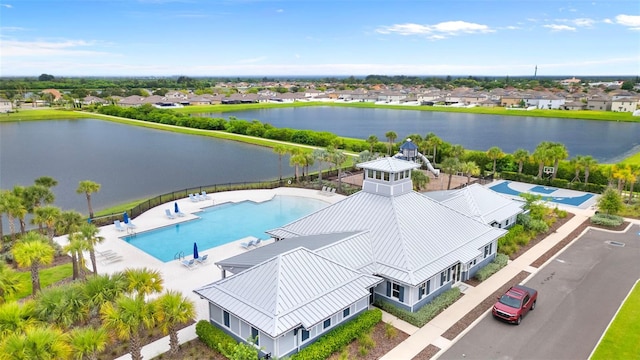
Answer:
(126, 217)
(175, 207)
(195, 251)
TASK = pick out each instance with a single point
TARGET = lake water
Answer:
(129, 162)
(608, 142)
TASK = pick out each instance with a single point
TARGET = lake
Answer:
(129, 162)
(607, 141)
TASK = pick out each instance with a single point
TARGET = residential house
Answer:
(599, 102)
(132, 101)
(624, 104)
(5, 106)
(415, 247)
(574, 105)
(89, 100)
(511, 100)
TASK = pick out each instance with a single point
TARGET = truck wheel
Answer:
(519, 320)
(533, 306)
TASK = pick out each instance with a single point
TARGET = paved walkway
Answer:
(180, 278)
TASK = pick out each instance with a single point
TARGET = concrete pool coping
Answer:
(177, 276)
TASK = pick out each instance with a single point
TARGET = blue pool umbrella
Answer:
(175, 207)
(195, 251)
(126, 217)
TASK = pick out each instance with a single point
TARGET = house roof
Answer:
(296, 288)
(411, 234)
(388, 164)
(479, 202)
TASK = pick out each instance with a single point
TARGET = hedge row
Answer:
(215, 338)
(493, 267)
(559, 183)
(607, 220)
(426, 313)
(336, 339)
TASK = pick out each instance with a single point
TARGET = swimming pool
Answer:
(222, 224)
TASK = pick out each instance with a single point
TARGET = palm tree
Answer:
(419, 179)
(621, 173)
(76, 246)
(104, 288)
(520, 156)
(337, 158)
(589, 163)
(576, 162)
(542, 155)
(42, 343)
(143, 282)
(46, 181)
(434, 142)
(32, 251)
(63, 306)
(89, 233)
(9, 282)
(37, 195)
(322, 156)
(47, 215)
(88, 187)
(127, 317)
(450, 165)
(558, 152)
(307, 161)
(88, 342)
(295, 159)
(16, 317)
(457, 151)
(69, 222)
(470, 168)
(494, 153)
(19, 211)
(634, 174)
(171, 310)
(280, 150)
(11, 205)
(391, 137)
(3, 207)
(372, 140)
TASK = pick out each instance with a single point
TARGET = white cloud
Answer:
(437, 31)
(12, 48)
(632, 21)
(11, 29)
(607, 21)
(556, 27)
(8, 6)
(253, 60)
(280, 10)
(583, 22)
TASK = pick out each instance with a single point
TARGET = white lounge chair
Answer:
(131, 225)
(205, 196)
(111, 259)
(190, 264)
(199, 197)
(106, 253)
(168, 213)
(247, 245)
(193, 198)
(180, 213)
(118, 225)
(202, 259)
(257, 242)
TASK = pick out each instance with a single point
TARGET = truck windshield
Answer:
(509, 301)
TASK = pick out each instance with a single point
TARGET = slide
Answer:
(426, 161)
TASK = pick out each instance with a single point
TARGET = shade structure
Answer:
(125, 217)
(176, 209)
(195, 251)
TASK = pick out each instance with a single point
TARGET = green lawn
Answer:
(47, 277)
(622, 339)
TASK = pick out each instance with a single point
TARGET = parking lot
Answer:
(579, 293)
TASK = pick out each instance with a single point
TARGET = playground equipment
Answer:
(409, 152)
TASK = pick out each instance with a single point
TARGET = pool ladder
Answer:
(179, 256)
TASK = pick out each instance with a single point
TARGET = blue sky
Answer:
(313, 37)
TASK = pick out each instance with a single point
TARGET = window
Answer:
(346, 312)
(370, 174)
(326, 323)
(443, 278)
(395, 291)
(395, 176)
(487, 250)
(225, 315)
(305, 335)
(254, 336)
(506, 222)
(422, 290)
(428, 287)
(386, 176)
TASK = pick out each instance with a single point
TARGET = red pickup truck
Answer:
(515, 304)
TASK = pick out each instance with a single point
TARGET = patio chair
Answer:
(118, 225)
(168, 213)
(202, 259)
(199, 197)
(205, 196)
(111, 259)
(180, 213)
(247, 245)
(131, 225)
(106, 253)
(257, 242)
(190, 264)
(193, 198)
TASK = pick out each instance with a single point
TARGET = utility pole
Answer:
(535, 72)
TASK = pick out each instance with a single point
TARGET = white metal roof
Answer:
(483, 203)
(388, 164)
(411, 234)
(296, 288)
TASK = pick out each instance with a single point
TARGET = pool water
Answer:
(221, 224)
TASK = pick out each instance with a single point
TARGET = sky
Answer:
(313, 37)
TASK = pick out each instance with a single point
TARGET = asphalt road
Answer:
(578, 294)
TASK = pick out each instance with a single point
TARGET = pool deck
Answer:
(177, 276)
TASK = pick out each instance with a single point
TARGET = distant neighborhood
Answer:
(570, 94)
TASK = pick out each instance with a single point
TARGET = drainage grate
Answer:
(615, 243)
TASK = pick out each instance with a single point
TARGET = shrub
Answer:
(390, 331)
(493, 267)
(336, 339)
(214, 338)
(426, 313)
(538, 226)
(607, 220)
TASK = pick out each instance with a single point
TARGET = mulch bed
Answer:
(427, 353)
(383, 343)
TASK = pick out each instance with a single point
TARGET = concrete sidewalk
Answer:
(432, 332)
